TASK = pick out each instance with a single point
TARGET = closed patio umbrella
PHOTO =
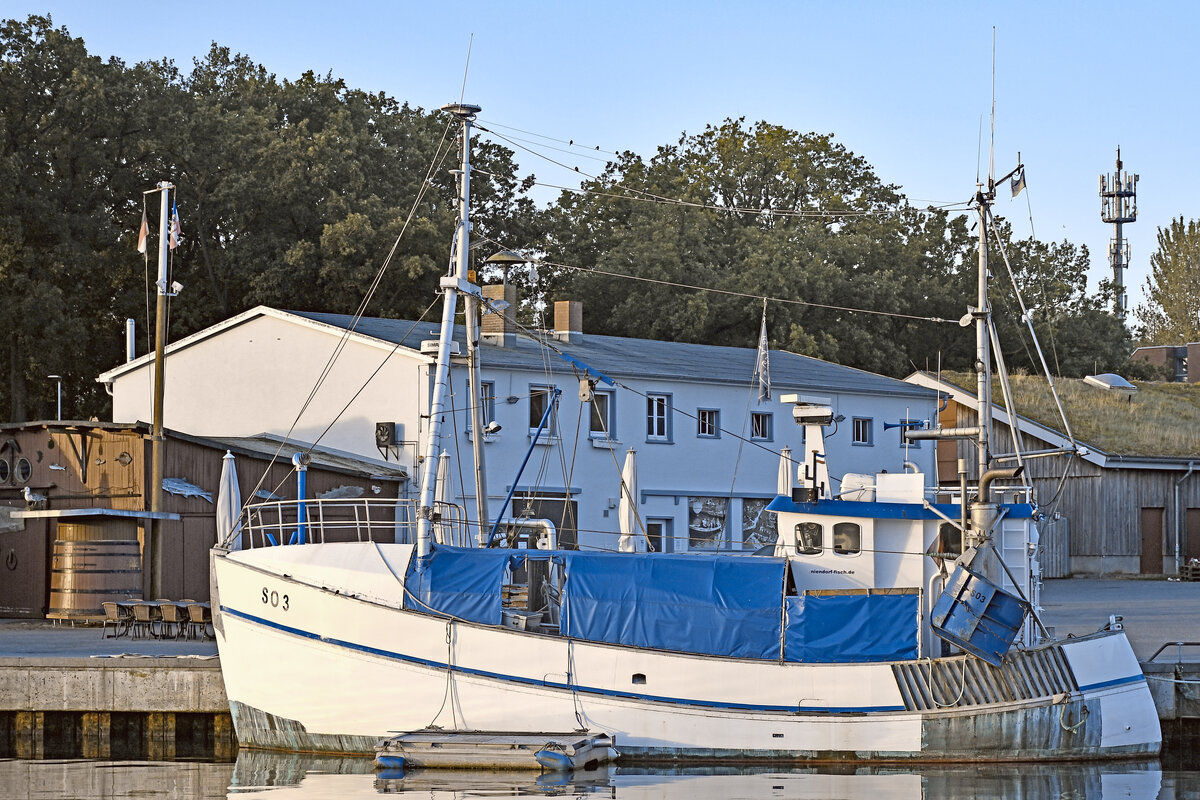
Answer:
(627, 510)
(229, 500)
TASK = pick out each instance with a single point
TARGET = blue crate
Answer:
(978, 616)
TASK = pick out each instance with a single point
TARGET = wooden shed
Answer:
(74, 511)
(1112, 507)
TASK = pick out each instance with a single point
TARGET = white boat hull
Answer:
(311, 664)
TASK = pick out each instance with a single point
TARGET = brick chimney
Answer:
(568, 321)
(500, 329)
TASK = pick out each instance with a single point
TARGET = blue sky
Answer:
(904, 85)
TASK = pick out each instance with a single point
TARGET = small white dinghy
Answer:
(553, 752)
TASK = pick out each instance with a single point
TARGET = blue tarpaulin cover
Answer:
(459, 582)
(851, 628)
(713, 605)
(719, 605)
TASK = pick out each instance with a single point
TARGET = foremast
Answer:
(452, 285)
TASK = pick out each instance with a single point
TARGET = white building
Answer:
(707, 448)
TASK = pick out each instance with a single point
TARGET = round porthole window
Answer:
(5, 472)
(24, 470)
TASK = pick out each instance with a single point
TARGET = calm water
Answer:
(306, 778)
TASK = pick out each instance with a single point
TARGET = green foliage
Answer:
(797, 217)
(1172, 311)
(293, 192)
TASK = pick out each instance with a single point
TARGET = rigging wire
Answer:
(729, 292)
(540, 339)
(587, 154)
(1025, 315)
(570, 142)
(640, 194)
(439, 157)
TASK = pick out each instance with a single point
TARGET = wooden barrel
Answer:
(86, 574)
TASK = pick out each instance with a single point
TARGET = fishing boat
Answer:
(882, 626)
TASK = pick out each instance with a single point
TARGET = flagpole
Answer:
(156, 435)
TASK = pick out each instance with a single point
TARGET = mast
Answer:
(476, 406)
(983, 353)
(451, 285)
(156, 434)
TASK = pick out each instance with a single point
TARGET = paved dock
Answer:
(21, 638)
(1153, 611)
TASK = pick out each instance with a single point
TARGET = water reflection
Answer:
(283, 777)
(105, 780)
(307, 777)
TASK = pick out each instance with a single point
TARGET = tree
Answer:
(860, 276)
(1171, 314)
(70, 124)
(291, 193)
(758, 211)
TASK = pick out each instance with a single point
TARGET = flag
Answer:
(1018, 182)
(763, 364)
(143, 234)
(176, 231)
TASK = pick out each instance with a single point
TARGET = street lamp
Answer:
(59, 379)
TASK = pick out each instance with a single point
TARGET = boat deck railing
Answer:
(360, 519)
(1178, 650)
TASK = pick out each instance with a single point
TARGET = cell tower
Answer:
(1118, 205)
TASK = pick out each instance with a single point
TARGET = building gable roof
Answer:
(1101, 453)
(612, 355)
(648, 359)
(294, 318)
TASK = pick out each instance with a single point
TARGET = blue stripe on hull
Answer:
(409, 659)
(1113, 682)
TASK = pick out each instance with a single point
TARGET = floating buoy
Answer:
(386, 761)
(553, 759)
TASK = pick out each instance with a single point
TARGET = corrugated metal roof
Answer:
(268, 446)
(621, 357)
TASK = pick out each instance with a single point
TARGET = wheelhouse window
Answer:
(949, 541)
(760, 426)
(539, 400)
(809, 537)
(862, 432)
(708, 423)
(658, 418)
(847, 538)
(601, 426)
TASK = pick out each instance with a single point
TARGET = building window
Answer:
(808, 539)
(863, 434)
(487, 401)
(602, 416)
(760, 426)
(658, 418)
(708, 423)
(539, 400)
(847, 538)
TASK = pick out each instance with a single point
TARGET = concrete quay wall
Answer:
(137, 707)
(191, 685)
